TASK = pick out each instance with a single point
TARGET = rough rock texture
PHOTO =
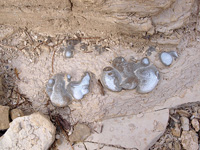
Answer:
(137, 131)
(14, 113)
(34, 132)
(174, 17)
(117, 16)
(139, 7)
(189, 140)
(4, 119)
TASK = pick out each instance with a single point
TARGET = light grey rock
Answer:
(34, 132)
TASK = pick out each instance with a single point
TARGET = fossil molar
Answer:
(167, 57)
(62, 90)
(129, 75)
(81, 88)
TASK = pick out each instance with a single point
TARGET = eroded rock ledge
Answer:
(103, 17)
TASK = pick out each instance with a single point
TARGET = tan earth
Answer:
(33, 32)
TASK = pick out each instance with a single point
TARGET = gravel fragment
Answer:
(185, 123)
(16, 113)
(195, 124)
(4, 119)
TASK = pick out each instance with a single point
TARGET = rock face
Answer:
(4, 119)
(34, 132)
(173, 17)
(189, 140)
(139, 132)
(117, 16)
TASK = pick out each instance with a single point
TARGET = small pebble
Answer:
(195, 124)
(176, 131)
(183, 113)
(185, 123)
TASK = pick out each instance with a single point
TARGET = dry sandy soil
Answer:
(32, 34)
